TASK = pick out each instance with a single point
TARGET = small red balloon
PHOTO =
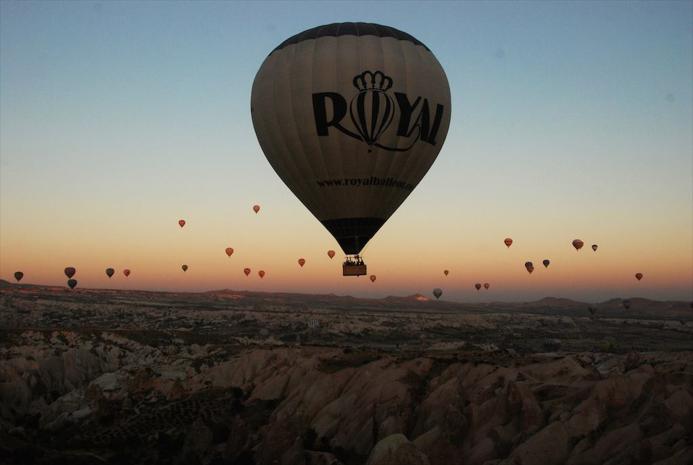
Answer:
(181, 223)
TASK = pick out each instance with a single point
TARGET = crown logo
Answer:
(376, 81)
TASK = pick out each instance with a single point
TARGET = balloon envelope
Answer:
(256, 208)
(638, 276)
(261, 274)
(529, 266)
(246, 271)
(18, 275)
(486, 285)
(446, 272)
(181, 223)
(229, 251)
(508, 242)
(72, 283)
(330, 253)
(577, 243)
(110, 272)
(372, 278)
(437, 292)
(351, 116)
(546, 263)
(184, 267)
(301, 262)
(595, 247)
(70, 271)
(126, 272)
(477, 286)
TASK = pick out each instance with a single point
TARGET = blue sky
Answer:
(569, 119)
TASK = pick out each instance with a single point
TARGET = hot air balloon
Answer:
(246, 271)
(110, 272)
(72, 283)
(477, 286)
(446, 272)
(301, 262)
(595, 247)
(18, 275)
(486, 286)
(181, 223)
(126, 272)
(351, 116)
(546, 262)
(184, 267)
(372, 278)
(437, 292)
(261, 274)
(330, 253)
(70, 271)
(508, 242)
(256, 208)
(626, 304)
(577, 243)
(638, 276)
(529, 266)
(229, 251)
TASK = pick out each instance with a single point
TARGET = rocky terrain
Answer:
(226, 377)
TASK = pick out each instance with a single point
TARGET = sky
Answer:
(570, 120)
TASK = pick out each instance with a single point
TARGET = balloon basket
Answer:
(353, 266)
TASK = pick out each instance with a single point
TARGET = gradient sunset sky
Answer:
(570, 120)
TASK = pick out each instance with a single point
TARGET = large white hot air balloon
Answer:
(351, 116)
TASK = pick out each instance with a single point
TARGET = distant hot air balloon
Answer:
(529, 266)
(477, 286)
(595, 247)
(546, 262)
(437, 292)
(72, 283)
(592, 310)
(638, 276)
(184, 267)
(486, 286)
(261, 274)
(110, 272)
(355, 102)
(301, 262)
(577, 243)
(256, 208)
(372, 278)
(626, 304)
(181, 223)
(18, 275)
(330, 253)
(229, 251)
(446, 272)
(126, 272)
(508, 242)
(70, 271)
(246, 271)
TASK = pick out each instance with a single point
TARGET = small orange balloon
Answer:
(446, 272)
(181, 223)
(246, 271)
(638, 276)
(126, 272)
(184, 267)
(229, 251)
(256, 208)
(372, 278)
(330, 253)
(508, 242)
(301, 261)
(261, 274)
